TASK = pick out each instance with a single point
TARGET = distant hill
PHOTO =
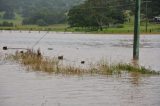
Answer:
(21, 5)
(42, 12)
(47, 12)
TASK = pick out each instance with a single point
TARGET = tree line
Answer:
(96, 14)
(84, 13)
(40, 12)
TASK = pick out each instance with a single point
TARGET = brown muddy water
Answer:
(19, 87)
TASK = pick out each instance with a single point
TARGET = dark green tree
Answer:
(9, 14)
(95, 13)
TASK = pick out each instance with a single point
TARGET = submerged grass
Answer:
(137, 69)
(35, 61)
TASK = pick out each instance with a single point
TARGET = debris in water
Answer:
(50, 48)
(5, 48)
(21, 52)
(60, 57)
(82, 62)
(38, 52)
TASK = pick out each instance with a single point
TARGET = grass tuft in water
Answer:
(35, 61)
(109, 69)
(132, 68)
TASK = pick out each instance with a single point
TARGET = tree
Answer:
(50, 11)
(41, 22)
(153, 8)
(6, 24)
(95, 13)
(9, 15)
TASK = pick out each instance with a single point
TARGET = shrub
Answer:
(7, 24)
(41, 22)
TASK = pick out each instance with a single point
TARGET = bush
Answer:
(7, 24)
(119, 26)
(25, 21)
(41, 22)
(0, 15)
(9, 15)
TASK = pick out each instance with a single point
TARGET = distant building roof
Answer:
(156, 19)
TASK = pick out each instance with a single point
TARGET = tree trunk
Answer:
(100, 27)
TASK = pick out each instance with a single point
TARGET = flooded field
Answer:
(19, 87)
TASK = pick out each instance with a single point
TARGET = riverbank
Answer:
(123, 29)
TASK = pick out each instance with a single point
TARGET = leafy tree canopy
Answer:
(55, 11)
(34, 11)
(96, 13)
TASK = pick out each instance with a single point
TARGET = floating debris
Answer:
(82, 62)
(5, 48)
(21, 52)
(50, 48)
(38, 52)
(60, 57)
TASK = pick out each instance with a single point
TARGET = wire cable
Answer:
(39, 40)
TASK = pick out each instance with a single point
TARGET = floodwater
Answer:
(19, 87)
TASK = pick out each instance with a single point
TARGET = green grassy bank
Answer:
(125, 29)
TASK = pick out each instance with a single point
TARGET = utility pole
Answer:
(147, 14)
(136, 30)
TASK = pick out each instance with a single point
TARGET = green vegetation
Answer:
(6, 24)
(56, 27)
(38, 12)
(96, 14)
(124, 29)
(16, 21)
(35, 61)
(92, 16)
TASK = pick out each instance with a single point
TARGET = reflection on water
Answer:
(19, 87)
(22, 88)
(135, 78)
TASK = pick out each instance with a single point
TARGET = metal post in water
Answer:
(136, 30)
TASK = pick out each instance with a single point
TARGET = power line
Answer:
(39, 39)
(105, 7)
